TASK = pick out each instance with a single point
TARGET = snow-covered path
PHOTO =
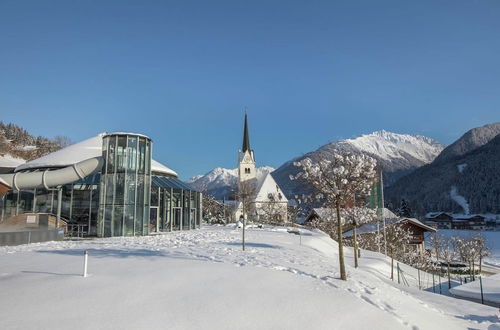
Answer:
(202, 279)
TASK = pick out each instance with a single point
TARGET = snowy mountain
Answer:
(461, 179)
(221, 182)
(396, 154)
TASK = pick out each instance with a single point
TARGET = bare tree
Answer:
(336, 181)
(246, 196)
(357, 216)
(62, 141)
(272, 211)
(397, 238)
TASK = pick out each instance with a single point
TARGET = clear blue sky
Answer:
(310, 72)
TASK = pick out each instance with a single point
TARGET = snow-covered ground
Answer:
(202, 280)
(491, 290)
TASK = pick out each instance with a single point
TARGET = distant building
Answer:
(444, 220)
(414, 226)
(268, 203)
(107, 185)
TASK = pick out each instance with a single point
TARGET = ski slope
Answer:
(202, 280)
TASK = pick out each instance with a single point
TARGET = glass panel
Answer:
(43, 201)
(119, 188)
(26, 201)
(121, 153)
(10, 204)
(176, 214)
(155, 196)
(132, 153)
(117, 220)
(153, 219)
(142, 155)
(110, 160)
(107, 220)
(129, 220)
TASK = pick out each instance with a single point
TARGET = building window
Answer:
(247, 170)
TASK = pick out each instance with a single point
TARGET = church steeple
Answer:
(246, 138)
(246, 160)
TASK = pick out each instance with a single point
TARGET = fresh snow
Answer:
(472, 290)
(202, 280)
(390, 146)
(459, 199)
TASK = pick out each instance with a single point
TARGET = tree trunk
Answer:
(392, 268)
(449, 281)
(343, 274)
(480, 264)
(355, 246)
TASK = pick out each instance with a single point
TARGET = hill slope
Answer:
(467, 183)
(471, 140)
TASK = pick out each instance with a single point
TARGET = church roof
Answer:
(246, 138)
(267, 185)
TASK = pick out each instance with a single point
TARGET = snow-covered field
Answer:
(491, 290)
(202, 280)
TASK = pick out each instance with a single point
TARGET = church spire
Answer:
(246, 138)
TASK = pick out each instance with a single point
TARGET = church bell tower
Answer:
(246, 160)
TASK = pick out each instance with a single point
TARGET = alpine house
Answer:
(104, 186)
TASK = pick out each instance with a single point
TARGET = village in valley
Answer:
(249, 165)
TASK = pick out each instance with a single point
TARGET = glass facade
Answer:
(125, 186)
(124, 199)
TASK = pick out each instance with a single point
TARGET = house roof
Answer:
(372, 227)
(78, 152)
(324, 212)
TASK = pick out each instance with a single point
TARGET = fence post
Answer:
(433, 284)
(85, 260)
(399, 282)
(29, 237)
(440, 292)
(419, 286)
(481, 286)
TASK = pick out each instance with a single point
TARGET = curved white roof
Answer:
(157, 167)
(81, 151)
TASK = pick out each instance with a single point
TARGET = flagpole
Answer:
(383, 217)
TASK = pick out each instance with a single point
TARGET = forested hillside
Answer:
(17, 142)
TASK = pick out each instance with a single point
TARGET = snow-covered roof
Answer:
(7, 161)
(372, 226)
(157, 167)
(4, 183)
(70, 155)
(78, 152)
(323, 212)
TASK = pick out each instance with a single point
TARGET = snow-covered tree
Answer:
(336, 181)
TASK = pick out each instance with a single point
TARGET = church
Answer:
(259, 198)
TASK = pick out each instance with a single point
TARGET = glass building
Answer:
(131, 195)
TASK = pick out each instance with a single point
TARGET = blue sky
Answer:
(310, 72)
